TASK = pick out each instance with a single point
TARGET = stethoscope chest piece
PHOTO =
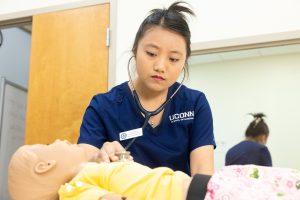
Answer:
(123, 156)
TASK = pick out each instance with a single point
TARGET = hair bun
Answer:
(179, 8)
(258, 115)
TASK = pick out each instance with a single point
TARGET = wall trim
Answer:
(112, 58)
(15, 22)
(11, 16)
(243, 43)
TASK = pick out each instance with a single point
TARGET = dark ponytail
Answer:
(258, 126)
(172, 18)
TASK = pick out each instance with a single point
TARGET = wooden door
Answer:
(68, 65)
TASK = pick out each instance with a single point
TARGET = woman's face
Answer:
(160, 58)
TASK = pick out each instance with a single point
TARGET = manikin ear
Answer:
(44, 166)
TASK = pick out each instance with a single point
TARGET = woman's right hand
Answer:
(108, 151)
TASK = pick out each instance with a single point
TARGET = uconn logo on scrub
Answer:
(189, 115)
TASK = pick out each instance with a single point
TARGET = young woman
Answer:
(178, 132)
(253, 150)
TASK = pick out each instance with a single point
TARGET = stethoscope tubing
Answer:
(147, 114)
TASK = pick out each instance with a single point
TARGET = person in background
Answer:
(253, 149)
(180, 135)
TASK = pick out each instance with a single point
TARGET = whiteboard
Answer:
(12, 126)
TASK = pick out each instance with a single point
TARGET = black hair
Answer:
(172, 18)
(258, 126)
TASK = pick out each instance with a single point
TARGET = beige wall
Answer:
(215, 20)
(268, 84)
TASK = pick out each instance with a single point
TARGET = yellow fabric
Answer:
(129, 179)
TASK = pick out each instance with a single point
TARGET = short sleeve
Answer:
(265, 156)
(92, 130)
(202, 130)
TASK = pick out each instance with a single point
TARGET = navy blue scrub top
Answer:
(248, 152)
(186, 125)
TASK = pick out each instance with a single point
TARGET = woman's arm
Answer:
(202, 160)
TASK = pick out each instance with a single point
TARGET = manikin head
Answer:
(36, 172)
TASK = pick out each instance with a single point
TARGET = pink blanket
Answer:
(243, 182)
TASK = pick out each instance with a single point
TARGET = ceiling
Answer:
(242, 54)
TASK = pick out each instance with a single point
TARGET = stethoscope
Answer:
(148, 114)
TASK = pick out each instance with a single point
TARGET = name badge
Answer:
(131, 134)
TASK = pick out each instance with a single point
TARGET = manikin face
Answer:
(66, 157)
(160, 58)
(37, 171)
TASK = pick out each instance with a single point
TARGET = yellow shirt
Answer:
(129, 179)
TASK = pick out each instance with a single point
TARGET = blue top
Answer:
(248, 152)
(186, 124)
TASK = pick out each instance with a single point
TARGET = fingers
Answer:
(101, 156)
(109, 150)
(130, 158)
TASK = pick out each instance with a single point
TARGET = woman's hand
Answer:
(109, 150)
(107, 153)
